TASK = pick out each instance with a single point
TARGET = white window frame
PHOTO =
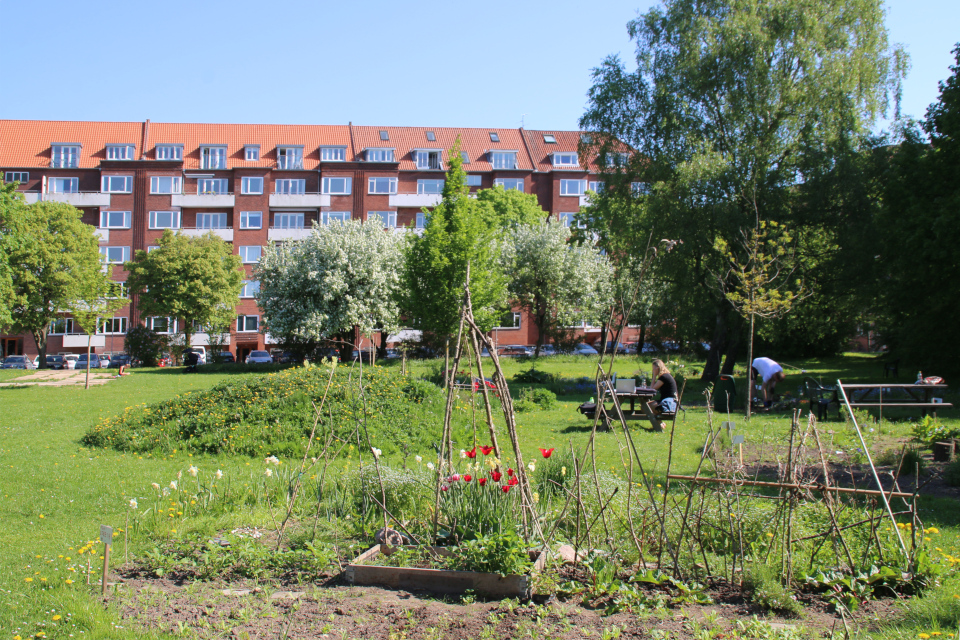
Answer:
(290, 186)
(204, 218)
(124, 223)
(617, 159)
(174, 220)
(243, 322)
(513, 182)
(381, 185)
(474, 180)
(118, 289)
(429, 159)
(423, 184)
(63, 327)
(503, 159)
(347, 185)
(65, 156)
(17, 176)
(596, 186)
(328, 217)
(108, 184)
(247, 185)
(517, 320)
(549, 138)
(565, 159)
(251, 152)
(244, 252)
(388, 218)
(568, 219)
(380, 154)
(573, 187)
(289, 220)
(176, 185)
(213, 156)
(289, 158)
(124, 254)
(245, 219)
(422, 219)
(56, 185)
(465, 157)
(168, 152)
(171, 328)
(214, 186)
(121, 152)
(333, 154)
(250, 289)
(122, 321)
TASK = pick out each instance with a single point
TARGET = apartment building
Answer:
(255, 184)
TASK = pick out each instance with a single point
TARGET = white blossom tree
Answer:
(342, 276)
(558, 283)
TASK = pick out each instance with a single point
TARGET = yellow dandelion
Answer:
(55, 618)
(28, 579)
(923, 636)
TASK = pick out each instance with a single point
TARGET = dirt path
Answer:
(60, 378)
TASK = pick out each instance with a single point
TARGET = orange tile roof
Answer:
(26, 143)
(476, 142)
(568, 141)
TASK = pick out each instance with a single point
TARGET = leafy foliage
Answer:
(501, 553)
(145, 344)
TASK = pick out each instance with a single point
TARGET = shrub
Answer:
(502, 553)
(952, 473)
(930, 430)
(145, 344)
(768, 592)
(911, 459)
(534, 376)
(534, 400)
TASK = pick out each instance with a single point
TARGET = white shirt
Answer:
(766, 367)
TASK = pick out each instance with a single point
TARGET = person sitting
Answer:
(192, 359)
(770, 373)
(663, 381)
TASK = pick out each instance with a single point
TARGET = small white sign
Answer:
(106, 534)
(739, 439)
(729, 426)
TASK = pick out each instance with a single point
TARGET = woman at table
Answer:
(666, 385)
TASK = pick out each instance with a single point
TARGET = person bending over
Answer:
(770, 373)
(664, 382)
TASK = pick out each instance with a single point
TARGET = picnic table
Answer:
(627, 394)
(904, 395)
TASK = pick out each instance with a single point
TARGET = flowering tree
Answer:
(341, 276)
(556, 282)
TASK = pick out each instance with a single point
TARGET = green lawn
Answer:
(56, 493)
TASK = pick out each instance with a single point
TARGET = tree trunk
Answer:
(712, 367)
(749, 371)
(41, 341)
(86, 384)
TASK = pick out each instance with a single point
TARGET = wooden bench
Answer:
(919, 396)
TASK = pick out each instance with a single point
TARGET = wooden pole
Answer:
(106, 569)
(786, 485)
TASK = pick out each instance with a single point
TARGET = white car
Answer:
(583, 349)
(259, 357)
(70, 360)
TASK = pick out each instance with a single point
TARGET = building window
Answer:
(338, 186)
(213, 157)
(431, 136)
(161, 324)
(250, 289)
(251, 152)
(333, 154)
(251, 186)
(565, 160)
(384, 135)
(290, 158)
(549, 138)
(382, 185)
(640, 188)
(63, 326)
(63, 185)
(430, 186)
(117, 184)
(248, 324)
(211, 221)
(152, 248)
(422, 220)
(115, 255)
(429, 160)
(120, 152)
(572, 187)
(617, 159)
(386, 218)
(474, 180)
(328, 217)
(494, 137)
(164, 219)
(250, 254)
(290, 187)
(113, 325)
(379, 155)
(596, 186)
(509, 183)
(503, 159)
(166, 184)
(115, 219)
(510, 320)
(586, 138)
(218, 186)
(465, 157)
(169, 152)
(569, 219)
(17, 176)
(118, 289)
(288, 220)
(251, 219)
(64, 156)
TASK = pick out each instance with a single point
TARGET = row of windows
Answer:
(248, 219)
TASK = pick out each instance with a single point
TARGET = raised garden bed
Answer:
(365, 571)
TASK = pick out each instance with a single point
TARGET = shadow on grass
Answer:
(237, 368)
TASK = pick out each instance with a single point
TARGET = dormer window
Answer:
(290, 158)
(617, 159)
(379, 154)
(65, 156)
(213, 157)
(494, 137)
(428, 159)
(503, 159)
(120, 152)
(169, 152)
(333, 154)
(565, 160)
(251, 152)
(549, 138)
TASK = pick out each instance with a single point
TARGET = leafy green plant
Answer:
(501, 553)
(929, 430)
(535, 376)
(912, 461)
(769, 592)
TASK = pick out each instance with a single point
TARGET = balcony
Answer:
(289, 163)
(102, 234)
(86, 199)
(295, 233)
(203, 340)
(299, 200)
(225, 234)
(415, 199)
(74, 340)
(203, 200)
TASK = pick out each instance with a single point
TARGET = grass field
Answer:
(56, 493)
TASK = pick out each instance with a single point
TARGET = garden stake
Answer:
(483, 383)
(397, 520)
(827, 501)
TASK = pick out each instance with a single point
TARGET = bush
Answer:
(145, 344)
(930, 430)
(535, 400)
(534, 376)
(764, 582)
(911, 459)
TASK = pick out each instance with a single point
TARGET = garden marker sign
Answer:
(106, 537)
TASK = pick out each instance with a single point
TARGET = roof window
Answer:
(431, 136)
(384, 135)
(549, 138)
(494, 137)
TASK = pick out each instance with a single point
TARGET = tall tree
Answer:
(511, 207)
(341, 276)
(97, 298)
(11, 207)
(55, 254)
(733, 106)
(195, 279)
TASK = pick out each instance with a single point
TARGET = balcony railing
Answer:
(290, 164)
(76, 198)
(203, 200)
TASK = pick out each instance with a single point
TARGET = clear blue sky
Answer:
(493, 63)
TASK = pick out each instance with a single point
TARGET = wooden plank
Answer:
(652, 417)
(894, 386)
(934, 405)
(785, 485)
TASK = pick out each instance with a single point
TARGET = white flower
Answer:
(430, 466)
(376, 452)
(532, 467)
(166, 491)
(179, 474)
(419, 459)
(463, 454)
(563, 471)
(218, 474)
(268, 472)
(155, 486)
(133, 503)
(193, 471)
(173, 485)
(273, 460)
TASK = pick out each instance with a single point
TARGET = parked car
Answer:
(365, 354)
(583, 349)
(393, 354)
(515, 350)
(104, 360)
(55, 362)
(17, 362)
(226, 356)
(122, 359)
(325, 353)
(69, 360)
(259, 357)
(201, 354)
(94, 361)
(546, 350)
(36, 362)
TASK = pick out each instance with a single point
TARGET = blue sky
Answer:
(484, 64)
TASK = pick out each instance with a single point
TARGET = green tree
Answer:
(55, 255)
(11, 206)
(96, 299)
(511, 207)
(733, 107)
(460, 230)
(195, 279)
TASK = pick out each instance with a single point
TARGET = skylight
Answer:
(431, 136)
(548, 138)
(494, 137)
(384, 135)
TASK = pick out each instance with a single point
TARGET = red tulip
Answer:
(506, 488)
(444, 488)
(453, 478)
(472, 453)
(513, 481)
(486, 450)
(482, 481)
(509, 472)
(467, 477)
(496, 475)
(546, 452)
